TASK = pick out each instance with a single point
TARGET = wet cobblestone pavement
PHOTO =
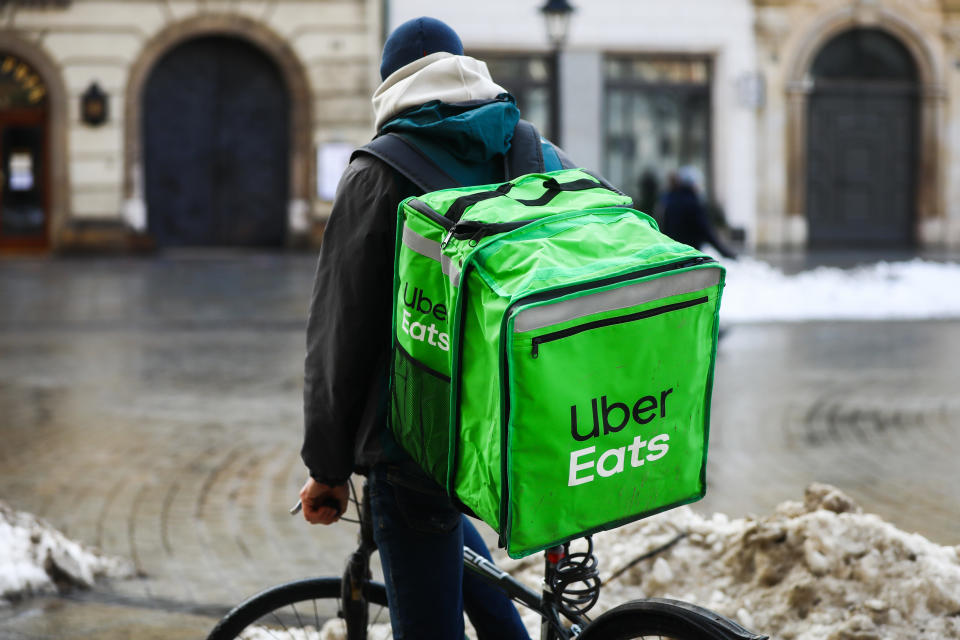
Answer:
(151, 407)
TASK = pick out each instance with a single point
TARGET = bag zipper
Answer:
(606, 322)
(477, 231)
(421, 206)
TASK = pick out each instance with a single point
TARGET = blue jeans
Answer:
(420, 536)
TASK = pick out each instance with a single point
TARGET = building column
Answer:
(581, 107)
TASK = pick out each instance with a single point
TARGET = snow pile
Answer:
(263, 633)
(757, 292)
(333, 630)
(817, 570)
(336, 630)
(36, 558)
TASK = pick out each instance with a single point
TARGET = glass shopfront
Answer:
(23, 171)
(656, 120)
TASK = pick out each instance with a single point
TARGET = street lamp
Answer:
(556, 15)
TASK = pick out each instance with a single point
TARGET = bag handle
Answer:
(553, 189)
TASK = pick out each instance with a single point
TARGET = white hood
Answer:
(439, 76)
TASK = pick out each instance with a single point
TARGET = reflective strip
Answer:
(450, 270)
(613, 299)
(418, 244)
(430, 249)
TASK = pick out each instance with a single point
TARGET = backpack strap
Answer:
(526, 152)
(406, 159)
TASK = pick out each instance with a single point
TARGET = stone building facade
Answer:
(888, 136)
(178, 122)
(814, 123)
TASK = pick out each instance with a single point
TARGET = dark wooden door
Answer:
(24, 188)
(216, 146)
(862, 142)
(862, 159)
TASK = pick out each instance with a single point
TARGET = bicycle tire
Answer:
(276, 608)
(666, 619)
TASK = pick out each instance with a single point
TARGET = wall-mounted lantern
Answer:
(94, 105)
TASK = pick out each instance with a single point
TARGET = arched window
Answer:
(20, 85)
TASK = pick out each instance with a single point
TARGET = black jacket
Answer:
(348, 330)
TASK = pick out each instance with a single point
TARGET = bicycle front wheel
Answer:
(299, 610)
(665, 620)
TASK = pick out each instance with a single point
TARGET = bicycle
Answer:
(571, 588)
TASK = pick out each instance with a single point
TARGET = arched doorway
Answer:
(862, 135)
(24, 176)
(216, 147)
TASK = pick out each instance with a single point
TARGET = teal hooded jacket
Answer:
(469, 140)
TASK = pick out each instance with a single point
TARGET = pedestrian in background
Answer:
(684, 215)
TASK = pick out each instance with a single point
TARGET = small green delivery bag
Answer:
(553, 355)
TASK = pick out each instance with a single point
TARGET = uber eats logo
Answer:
(612, 417)
(425, 330)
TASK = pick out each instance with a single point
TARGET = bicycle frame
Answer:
(357, 576)
(551, 627)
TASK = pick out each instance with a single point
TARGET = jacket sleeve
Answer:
(708, 233)
(348, 329)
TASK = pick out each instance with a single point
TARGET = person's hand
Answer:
(323, 504)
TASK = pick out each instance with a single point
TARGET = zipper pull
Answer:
(446, 238)
(535, 349)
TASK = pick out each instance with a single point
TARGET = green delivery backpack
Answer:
(553, 355)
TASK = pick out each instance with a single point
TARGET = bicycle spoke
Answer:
(297, 615)
(270, 631)
(277, 618)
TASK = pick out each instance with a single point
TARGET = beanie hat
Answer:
(415, 39)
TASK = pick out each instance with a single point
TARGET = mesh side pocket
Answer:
(419, 413)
